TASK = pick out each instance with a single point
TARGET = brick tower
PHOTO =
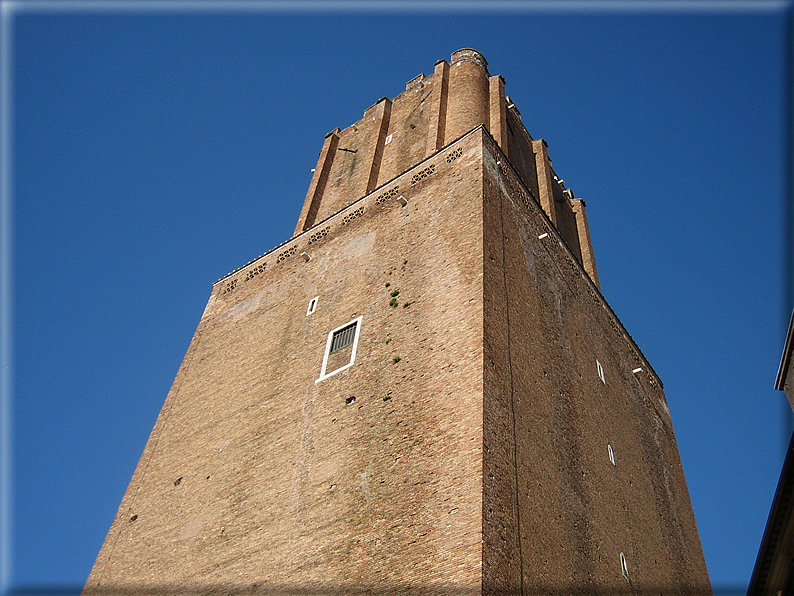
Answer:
(421, 392)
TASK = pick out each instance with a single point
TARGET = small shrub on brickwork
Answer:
(393, 302)
(387, 284)
(388, 341)
(386, 397)
(396, 359)
(405, 262)
(395, 293)
(412, 125)
(407, 304)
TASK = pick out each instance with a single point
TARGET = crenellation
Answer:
(415, 82)
(394, 135)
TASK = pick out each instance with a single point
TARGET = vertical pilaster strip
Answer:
(585, 243)
(498, 108)
(381, 130)
(438, 108)
(545, 181)
(317, 187)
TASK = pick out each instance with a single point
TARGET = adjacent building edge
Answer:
(773, 573)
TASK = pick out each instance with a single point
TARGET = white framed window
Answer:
(611, 454)
(312, 305)
(601, 372)
(340, 349)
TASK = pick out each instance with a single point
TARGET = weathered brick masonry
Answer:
(491, 429)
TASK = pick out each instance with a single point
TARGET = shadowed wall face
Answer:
(582, 477)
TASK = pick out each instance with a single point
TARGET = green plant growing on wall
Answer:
(393, 302)
(396, 359)
(395, 293)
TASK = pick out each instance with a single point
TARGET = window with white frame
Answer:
(340, 349)
(601, 372)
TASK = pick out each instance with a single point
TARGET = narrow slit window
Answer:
(624, 568)
(611, 454)
(340, 349)
(312, 306)
(601, 372)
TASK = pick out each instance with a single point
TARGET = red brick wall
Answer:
(255, 475)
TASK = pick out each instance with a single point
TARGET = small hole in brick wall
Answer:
(208, 477)
(350, 400)
(134, 517)
(178, 481)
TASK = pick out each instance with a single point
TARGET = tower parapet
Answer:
(433, 111)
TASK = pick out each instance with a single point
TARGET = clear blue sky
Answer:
(154, 152)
